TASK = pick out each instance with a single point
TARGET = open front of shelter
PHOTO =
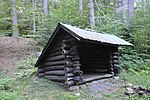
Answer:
(75, 56)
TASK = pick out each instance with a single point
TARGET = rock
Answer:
(129, 85)
(77, 94)
(141, 92)
(73, 88)
(142, 88)
(129, 91)
(116, 77)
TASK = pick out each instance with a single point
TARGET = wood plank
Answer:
(69, 74)
(66, 46)
(55, 72)
(50, 68)
(55, 78)
(59, 57)
(93, 77)
(55, 54)
(55, 63)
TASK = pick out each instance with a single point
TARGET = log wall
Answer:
(67, 60)
(62, 62)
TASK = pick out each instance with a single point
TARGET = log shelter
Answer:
(75, 56)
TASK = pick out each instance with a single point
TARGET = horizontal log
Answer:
(78, 79)
(69, 41)
(66, 37)
(56, 44)
(69, 78)
(49, 68)
(56, 72)
(66, 46)
(116, 58)
(55, 54)
(115, 53)
(59, 57)
(65, 63)
(69, 74)
(115, 61)
(68, 57)
(96, 70)
(55, 78)
(68, 63)
(66, 52)
(78, 72)
(41, 70)
(76, 62)
(95, 77)
(75, 53)
(41, 66)
(76, 65)
(53, 50)
(94, 66)
(54, 63)
(67, 70)
(115, 65)
(69, 83)
(41, 74)
(75, 58)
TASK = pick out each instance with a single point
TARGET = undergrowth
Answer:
(8, 87)
(27, 86)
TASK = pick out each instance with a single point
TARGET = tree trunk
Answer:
(33, 8)
(45, 6)
(124, 5)
(131, 9)
(80, 7)
(15, 28)
(116, 8)
(92, 20)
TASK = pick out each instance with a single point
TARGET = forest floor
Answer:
(13, 51)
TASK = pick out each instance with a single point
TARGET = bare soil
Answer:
(12, 50)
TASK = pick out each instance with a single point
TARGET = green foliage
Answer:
(61, 13)
(135, 63)
(6, 83)
(26, 67)
(140, 79)
(4, 95)
(8, 87)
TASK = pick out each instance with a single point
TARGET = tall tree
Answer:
(116, 7)
(131, 9)
(45, 7)
(124, 5)
(15, 28)
(33, 8)
(80, 6)
(92, 19)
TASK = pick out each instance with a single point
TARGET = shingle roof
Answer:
(97, 37)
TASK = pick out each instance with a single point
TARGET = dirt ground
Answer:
(13, 49)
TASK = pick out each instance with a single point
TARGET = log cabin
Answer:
(75, 56)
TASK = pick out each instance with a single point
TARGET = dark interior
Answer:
(94, 59)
